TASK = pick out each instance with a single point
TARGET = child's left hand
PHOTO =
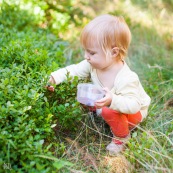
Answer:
(105, 101)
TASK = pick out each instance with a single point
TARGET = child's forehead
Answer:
(91, 44)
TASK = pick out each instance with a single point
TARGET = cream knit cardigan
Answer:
(129, 96)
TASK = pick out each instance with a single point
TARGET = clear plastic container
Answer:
(88, 93)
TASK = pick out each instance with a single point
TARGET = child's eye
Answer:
(91, 53)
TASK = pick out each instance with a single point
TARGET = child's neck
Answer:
(114, 66)
(107, 75)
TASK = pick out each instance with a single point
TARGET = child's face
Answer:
(96, 57)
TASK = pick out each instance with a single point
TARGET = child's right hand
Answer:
(49, 86)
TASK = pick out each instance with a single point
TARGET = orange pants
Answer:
(120, 123)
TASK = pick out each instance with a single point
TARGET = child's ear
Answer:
(115, 51)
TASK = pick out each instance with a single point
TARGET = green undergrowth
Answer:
(28, 114)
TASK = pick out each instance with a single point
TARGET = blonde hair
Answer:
(109, 31)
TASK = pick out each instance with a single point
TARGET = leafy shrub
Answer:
(28, 54)
(24, 123)
(63, 104)
(27, 118)
(13, 17)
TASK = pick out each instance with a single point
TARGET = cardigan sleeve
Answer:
(81, 70)
(127, 97)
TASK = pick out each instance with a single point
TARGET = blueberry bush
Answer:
(28, 111)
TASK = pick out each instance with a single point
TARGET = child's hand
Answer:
(105, 101)
(49, 86)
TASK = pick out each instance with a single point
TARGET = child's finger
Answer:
(101, 100)
(50, 88)
(99, 105)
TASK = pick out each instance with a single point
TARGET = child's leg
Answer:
(134, 119)
(120, 123)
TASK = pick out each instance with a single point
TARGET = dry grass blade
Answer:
(117, 164)
(88, 159)
(169, 103)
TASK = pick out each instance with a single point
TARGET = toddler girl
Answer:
(106, 40)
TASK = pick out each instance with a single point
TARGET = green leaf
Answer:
(61, 163)
(135, 134)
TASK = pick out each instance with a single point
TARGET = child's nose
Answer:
(86, 56)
